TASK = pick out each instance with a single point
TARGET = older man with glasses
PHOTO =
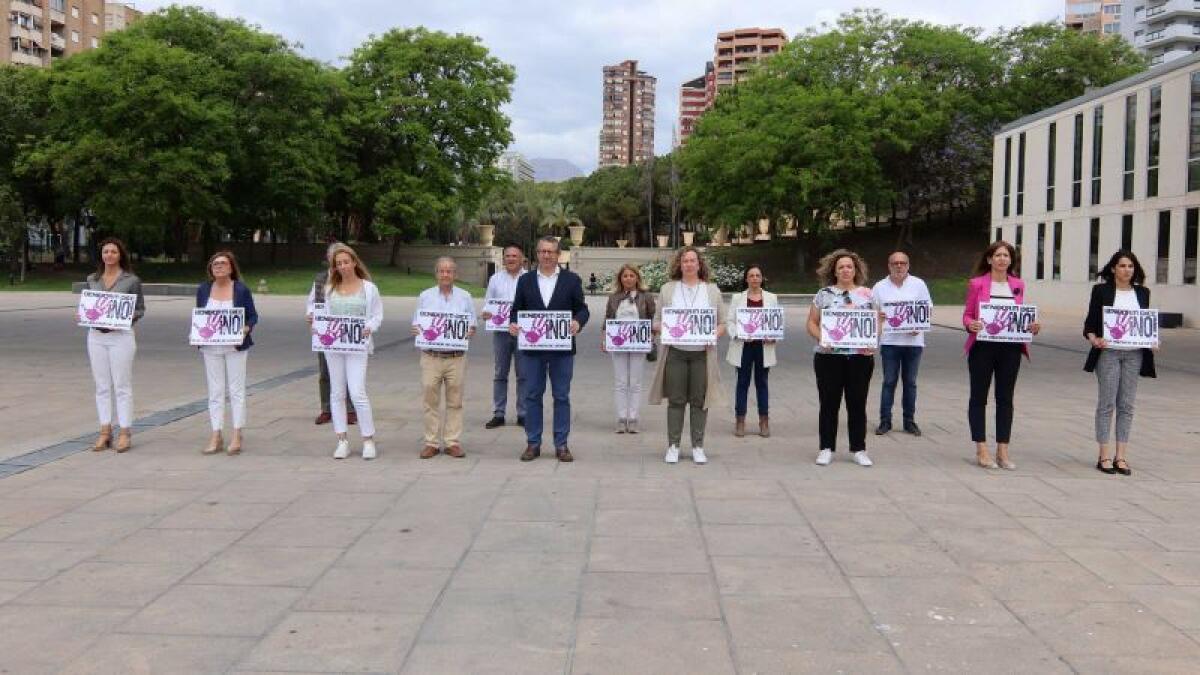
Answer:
(900, 352)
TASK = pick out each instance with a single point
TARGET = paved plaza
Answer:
(285, 560)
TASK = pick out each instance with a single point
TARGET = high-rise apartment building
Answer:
(39, 31)
(695, 96)
(627, 134)
(1164, 29)
(515, 164)
(1092, 16)
(737, 51)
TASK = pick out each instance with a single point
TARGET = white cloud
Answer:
(559, 48)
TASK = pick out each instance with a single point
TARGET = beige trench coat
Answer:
(714, 393)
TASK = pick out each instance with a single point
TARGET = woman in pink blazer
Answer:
(994, 280)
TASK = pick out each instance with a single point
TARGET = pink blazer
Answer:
(979, 289)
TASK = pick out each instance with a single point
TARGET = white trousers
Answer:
(111, 355)
(349, 371)
(226, 370)
(627, 394)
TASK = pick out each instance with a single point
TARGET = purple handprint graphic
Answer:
(999, 320)
(333, 330)
(537, 328)
(757, 320)
(840, 328)
(679, 329)
(98, 308)
(210, 327)
(623, 334)
(900, 314)
(501, 316)
(435, 329)
(1121, 327)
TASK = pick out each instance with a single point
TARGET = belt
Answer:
(443, 355)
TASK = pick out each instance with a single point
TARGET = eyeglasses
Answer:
(899, 263)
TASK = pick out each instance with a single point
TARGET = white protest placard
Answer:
(217, 327)
(1131, 327)
(544, 331)
(628, 335)
(339, 334)
(760, 323)
(850, 328)
(1003, 322)
(101, 309)
(500, 311)
(685, 326)
(907, 316)
(443, 331)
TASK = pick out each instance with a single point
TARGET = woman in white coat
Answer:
(751, 357)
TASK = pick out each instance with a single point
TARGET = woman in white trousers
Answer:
(111, 352)
(350, 293)
(629, 301)
(225, 366)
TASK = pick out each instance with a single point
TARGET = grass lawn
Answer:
(280, 280)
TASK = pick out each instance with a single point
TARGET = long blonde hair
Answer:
(619, 287)
(335, 277)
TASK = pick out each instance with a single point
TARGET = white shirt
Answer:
(432, 300)
(546, 285)
(502, 286)
(213, 303)
(686, 297)
(912, 288)
(1002, 294)
(1124, 300)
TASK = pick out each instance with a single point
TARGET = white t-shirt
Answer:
(218, 349)
(691, 297)
(1125, 300)
(1002, 294)
(913, 288)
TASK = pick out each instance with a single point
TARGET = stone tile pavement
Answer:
(284, 560)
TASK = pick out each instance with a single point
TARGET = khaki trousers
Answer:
(436, 373)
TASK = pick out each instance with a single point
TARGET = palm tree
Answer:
(559, 217)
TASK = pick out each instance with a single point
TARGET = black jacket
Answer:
(567, 297)
(1103, 295)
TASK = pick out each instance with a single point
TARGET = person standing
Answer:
(688, 376)
(225, 366)
(750, 357)
(316, 296)
(1117, 367)
(503, 286)
(629, 301)
(841, 371)
(900, 352)
(443, 369)
(996, 281)
(549, 289)
(111, 352)
(350, 292)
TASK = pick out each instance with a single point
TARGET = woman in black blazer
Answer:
(1117, 369)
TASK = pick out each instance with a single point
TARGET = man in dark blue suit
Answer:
(548, 289)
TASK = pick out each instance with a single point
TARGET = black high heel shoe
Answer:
(1123, 471)
(1100, 465)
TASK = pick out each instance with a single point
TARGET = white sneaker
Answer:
(824, 457)
(698, 456)
(861, 458)
(672, 455)
(369, 449)
(343, 449)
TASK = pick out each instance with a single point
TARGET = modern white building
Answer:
(517, 166)
(1117, 168)
(1164, 29)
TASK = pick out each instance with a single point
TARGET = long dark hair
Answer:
(1109, 272)
(125, 262)
(984, 266)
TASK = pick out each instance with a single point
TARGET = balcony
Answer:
(1179, 32)
(23, 59)
(57, 42)
(32, 7)
(57, 18)
(1170, 10)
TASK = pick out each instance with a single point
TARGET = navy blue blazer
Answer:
(241, 298)
(567, 297)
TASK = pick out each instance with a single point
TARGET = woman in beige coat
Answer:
(750, 356)
(688, 376)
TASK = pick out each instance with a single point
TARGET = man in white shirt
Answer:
(900, 352)
(443, 369)
(503, 286)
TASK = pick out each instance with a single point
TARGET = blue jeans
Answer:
(504, 350)
(899, 362)
(560, 367)
(752, 364)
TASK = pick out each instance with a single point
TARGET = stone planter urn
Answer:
(487, 233)
(688, 238)
(662, 240)
(622, 243)
(721, 236)
(576, 234)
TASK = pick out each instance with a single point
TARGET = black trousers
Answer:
(986, 360)
(848, 375)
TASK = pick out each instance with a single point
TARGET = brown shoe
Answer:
(739, 427)
(564, 454)
(124, 441)
(235, 446)
(430, 451)
(214, 444)
(455, 450)
(531, 453)
(324, 418)
(764, 426)
(104, 440)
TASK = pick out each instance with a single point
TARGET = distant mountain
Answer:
(550, 170)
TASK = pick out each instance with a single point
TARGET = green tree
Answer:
(25, 195)
(426, 129)
(558, 217)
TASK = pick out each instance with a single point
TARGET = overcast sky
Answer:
(559, 48)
